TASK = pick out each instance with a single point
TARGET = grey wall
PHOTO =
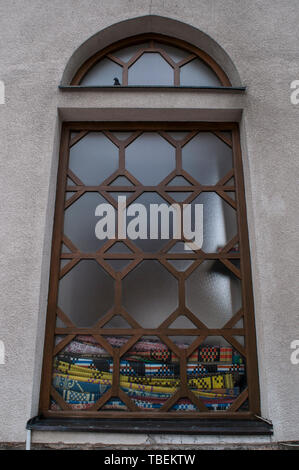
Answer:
(38, 38)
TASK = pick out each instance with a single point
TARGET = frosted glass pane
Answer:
(179, 196)
(197, 73)
(151, 69)
(103, 74)
(179, 181)
(213, 293)
(151, 245)
(119, 247)
(150, 158)
(121, 181)
(207, 158)
(80, 222)
(122, 135)
(150, 294)
(93, 158)
(174, 53)
(180, 264)
(178, 135)
(85, 293)
(128, 52)
(219, 221)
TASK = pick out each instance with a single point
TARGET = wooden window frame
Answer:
(195, 52)
(251, 392)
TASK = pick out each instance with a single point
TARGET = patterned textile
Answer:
(208, 353)
(149, 374)
(226, 354)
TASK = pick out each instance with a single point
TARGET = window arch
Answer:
(151, 60)
(159, 331)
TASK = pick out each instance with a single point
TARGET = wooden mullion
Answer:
(63, 343)
(54, 273)
(224, 138)
(228, 199)
(58, 398)
(231, 267)
(247, 291)
(76, 139)
(64, 318)
(196, 401)
(100, 402)
(170, 402)
(239, 400)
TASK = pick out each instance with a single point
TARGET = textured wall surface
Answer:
(38, 38)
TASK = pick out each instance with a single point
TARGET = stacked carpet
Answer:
(149, 375)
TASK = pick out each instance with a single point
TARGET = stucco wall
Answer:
(38, 38)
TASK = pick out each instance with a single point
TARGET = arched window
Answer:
(151, 60)
(151, 321)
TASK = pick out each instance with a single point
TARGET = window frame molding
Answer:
(179, 43)
(249, 320)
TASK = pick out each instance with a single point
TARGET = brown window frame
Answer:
(249, 351)
(195, 52)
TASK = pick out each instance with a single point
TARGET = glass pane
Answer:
(93, 158)
(82, 372)
(118, 247)
(216, 373)
(127, 53)
(178, 135)
(179, 247)
(150, 158)
(121, 181)
(155, 211)
(122, 135)
(174, 53)
(179, 181)
(103, 73)
(80, 222)
(207, 158)
(197, 73)
(150, 294)
(180, 264)
(219, 221)
(213, 293)
(86, 293)
(149, 373)
(179, 196)
(151, 69)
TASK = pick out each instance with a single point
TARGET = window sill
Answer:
(219, 89)
(232, 427)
